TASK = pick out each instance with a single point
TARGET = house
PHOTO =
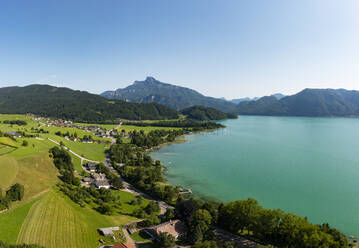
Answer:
(86, 181)
(14, 134)
(101, 181)
(124, 245)
(176, 228)
(91, 167)
(108, 231)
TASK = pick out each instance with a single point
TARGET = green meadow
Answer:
(46, 216)
(130, 128)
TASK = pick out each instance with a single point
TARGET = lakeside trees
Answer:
(276, 227)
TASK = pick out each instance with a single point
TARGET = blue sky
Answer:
(230, 48)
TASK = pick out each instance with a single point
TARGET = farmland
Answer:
(45, 215)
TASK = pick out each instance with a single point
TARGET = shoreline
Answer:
(202, 196)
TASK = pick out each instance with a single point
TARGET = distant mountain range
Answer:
(309, 102)
(176, 97)
(236, 101)
(50, 101)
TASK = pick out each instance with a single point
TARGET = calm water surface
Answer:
(308, 166)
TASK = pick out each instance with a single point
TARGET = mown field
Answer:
(12, 220)
(55, 221)
(8, 170)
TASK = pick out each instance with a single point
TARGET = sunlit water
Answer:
(307, 166)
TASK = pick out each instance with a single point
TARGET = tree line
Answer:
(15, 122)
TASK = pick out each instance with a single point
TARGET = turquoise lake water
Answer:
(307, 166)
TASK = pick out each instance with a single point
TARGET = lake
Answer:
(307, 166)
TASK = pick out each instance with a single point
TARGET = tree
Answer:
(105, 209)
(166, 240)
(200, 224)
(169, 214)
(117, 182)
(15, 193)
(25, 143)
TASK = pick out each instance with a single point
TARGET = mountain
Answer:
(236, 101)
(309, 102)
(278, 96)
(65, 103)
(245, 99)
(176, 97)
(202, 113)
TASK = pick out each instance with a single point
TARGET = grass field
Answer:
(8, 142)
(45, 216)
(8, 170)
(55, 221)
(6, 149)
(90, 151)
(130, 128)
(37, 173)
(11, 222)
(105, 126)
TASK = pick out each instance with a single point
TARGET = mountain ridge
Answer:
(66, 103)
(308, 102)
(174, 96)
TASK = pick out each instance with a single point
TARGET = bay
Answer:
(307, 166)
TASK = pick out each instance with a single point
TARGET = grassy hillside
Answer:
(12, 220)
(8, 170)
(56, 221)
(76, 105)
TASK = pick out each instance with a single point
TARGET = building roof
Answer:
(108, 231)
(123, 245)
(176, 228)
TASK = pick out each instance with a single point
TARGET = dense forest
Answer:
(64, 103)
(202, 113)
(309, 102)
(190, 125)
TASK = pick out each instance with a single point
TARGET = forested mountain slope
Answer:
(50, 101)
(309, 102)
(176, 97)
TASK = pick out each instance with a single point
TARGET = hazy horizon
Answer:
(230, 49)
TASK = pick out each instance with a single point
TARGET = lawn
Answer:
(126, 198)
(11, 222)
(140, 236)
(77, 163)
(55, 221)
(8, 170)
